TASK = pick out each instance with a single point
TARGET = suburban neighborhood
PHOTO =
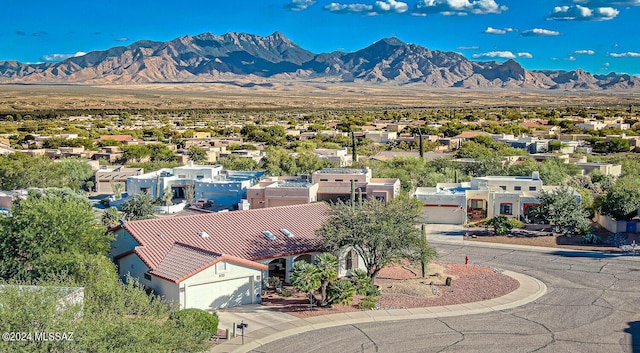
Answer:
(312, 217)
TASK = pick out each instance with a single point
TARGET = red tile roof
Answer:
(121, 138)
(237, 234)
(471, 134)
(183, 261)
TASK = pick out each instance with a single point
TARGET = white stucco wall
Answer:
(213, 287)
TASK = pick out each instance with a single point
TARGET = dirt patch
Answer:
(402, 287)
(553, 240)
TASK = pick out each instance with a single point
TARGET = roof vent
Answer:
(269, 235)
(203, 234)
(287, 233)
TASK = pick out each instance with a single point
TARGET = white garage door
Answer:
(443, 215)
(222, 294)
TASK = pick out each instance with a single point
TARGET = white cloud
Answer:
(378, 8)
(584, 52)
(60, 57)
(582, 13)
(458, 7)
(525, 55)
(122, 39)
(491, 30)
(608, 2)
(299, 5)
(540, 32)
(392, 6)
(629, 54)
(472, 47)
(505, 54)
(571, 58)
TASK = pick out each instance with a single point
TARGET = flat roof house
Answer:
(483, 197)
(218, 260)
(225, 188)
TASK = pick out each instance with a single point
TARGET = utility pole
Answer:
(354, 153)
(353, 193)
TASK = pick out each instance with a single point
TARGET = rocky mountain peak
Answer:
(234, 55)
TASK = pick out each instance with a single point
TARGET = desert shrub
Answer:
(199, 324)
(341, 291)
(500, 225)
(275, 282)
(368, 303)
(592, 239)
(363, 283)
(515, 223)
(286, 293)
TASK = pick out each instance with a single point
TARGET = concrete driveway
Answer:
(592, 305)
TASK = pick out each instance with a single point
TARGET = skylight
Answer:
(287, 233)
(203, 234)
(269, 235)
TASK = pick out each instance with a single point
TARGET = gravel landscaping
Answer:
(402, 287)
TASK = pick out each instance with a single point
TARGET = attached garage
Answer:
(443, 214)
(217, 295)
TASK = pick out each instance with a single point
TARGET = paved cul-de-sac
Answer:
(592, 304)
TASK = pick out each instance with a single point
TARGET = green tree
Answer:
(111, 217)
(618, 144)
(327, 264)
(561, 208)
(136, 153)
(72, 173)
(140, 206)
(424, 252)
(197, 154)
(233, 162)
(379, 232)
(51, 234)
(306, 278)
(621, 202)
(279, 161)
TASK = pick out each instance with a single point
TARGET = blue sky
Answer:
(599, 36)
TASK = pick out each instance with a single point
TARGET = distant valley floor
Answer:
(287, 95)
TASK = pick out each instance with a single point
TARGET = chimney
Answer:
(535, 175)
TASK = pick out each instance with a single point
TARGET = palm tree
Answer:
(117, 188)
(327, 264)
(167, 197)
(306, 278)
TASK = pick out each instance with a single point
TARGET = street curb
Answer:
(538, 249)
(529, 290)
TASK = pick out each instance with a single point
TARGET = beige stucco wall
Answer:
(123, 242)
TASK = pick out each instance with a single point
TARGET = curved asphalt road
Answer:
(592, 305)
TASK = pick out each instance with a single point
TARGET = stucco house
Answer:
(224, 188)
(483, 197)
(328, 184)
(218, 260)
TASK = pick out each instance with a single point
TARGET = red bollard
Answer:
(466, 260)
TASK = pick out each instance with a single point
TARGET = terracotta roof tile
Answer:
(181, 261)
(238, 233)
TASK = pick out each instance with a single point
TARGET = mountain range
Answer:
(208, 57)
